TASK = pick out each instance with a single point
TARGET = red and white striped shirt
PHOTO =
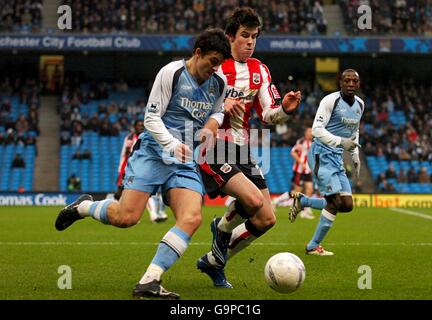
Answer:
(128, 145)
(250, 83)
(302, 147)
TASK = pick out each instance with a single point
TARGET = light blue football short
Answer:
(329, 170)
(146, 173)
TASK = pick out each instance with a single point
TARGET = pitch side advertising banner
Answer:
(184, 43)
(360, 200)
(41, 198)
(393, 200)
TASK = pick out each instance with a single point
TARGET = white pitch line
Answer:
(270, 244)
(412, 213)
(76, 243)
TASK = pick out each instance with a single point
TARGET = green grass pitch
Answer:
(106, 262)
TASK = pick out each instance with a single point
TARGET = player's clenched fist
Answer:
(291, 101)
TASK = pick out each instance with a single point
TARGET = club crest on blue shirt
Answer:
(212, 90)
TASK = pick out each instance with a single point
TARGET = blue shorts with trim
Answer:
(329, 170)
(147, 174)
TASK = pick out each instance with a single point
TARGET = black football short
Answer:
(300, 178)
(225, 161)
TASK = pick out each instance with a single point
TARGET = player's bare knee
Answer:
(125, 218)
(253, 203)
(269, 222)
(192, 220)
(264, 222)
(127, 221)
(346, 207)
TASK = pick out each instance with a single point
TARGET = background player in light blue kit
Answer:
(335, 129)
(186, 96)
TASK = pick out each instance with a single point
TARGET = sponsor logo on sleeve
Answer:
(153, 107)
(274, 91)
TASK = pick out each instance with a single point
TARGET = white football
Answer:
(284, 272)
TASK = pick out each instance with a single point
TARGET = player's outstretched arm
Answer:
(274, 110)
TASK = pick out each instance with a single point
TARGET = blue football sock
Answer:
(99, 210)
(315, 203)
(324, 225)
(171, 247)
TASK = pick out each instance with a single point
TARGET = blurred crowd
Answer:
(396, 123)
(19, 127)
(387, 180)
(380, 134)
(409, 139)
(306, 17)
(286, 134)
(109, 118)
(411, 17)
(191, 16)
(21, 15)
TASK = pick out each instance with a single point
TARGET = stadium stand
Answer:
(95, 121)
(18, 131)
(95, 118)
(21, 16)
(295, 17)
(396, 128)
(280, 174)
(396, 134)
(403, 17)
(388, 133)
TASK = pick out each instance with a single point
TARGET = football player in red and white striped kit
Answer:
(128, 144)
(302, 174)
(249, 87)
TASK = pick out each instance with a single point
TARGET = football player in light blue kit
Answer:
(186, 96)
(335, 129)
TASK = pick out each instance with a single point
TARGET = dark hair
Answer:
(244, 16)
(349, 70)
(213, 40)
